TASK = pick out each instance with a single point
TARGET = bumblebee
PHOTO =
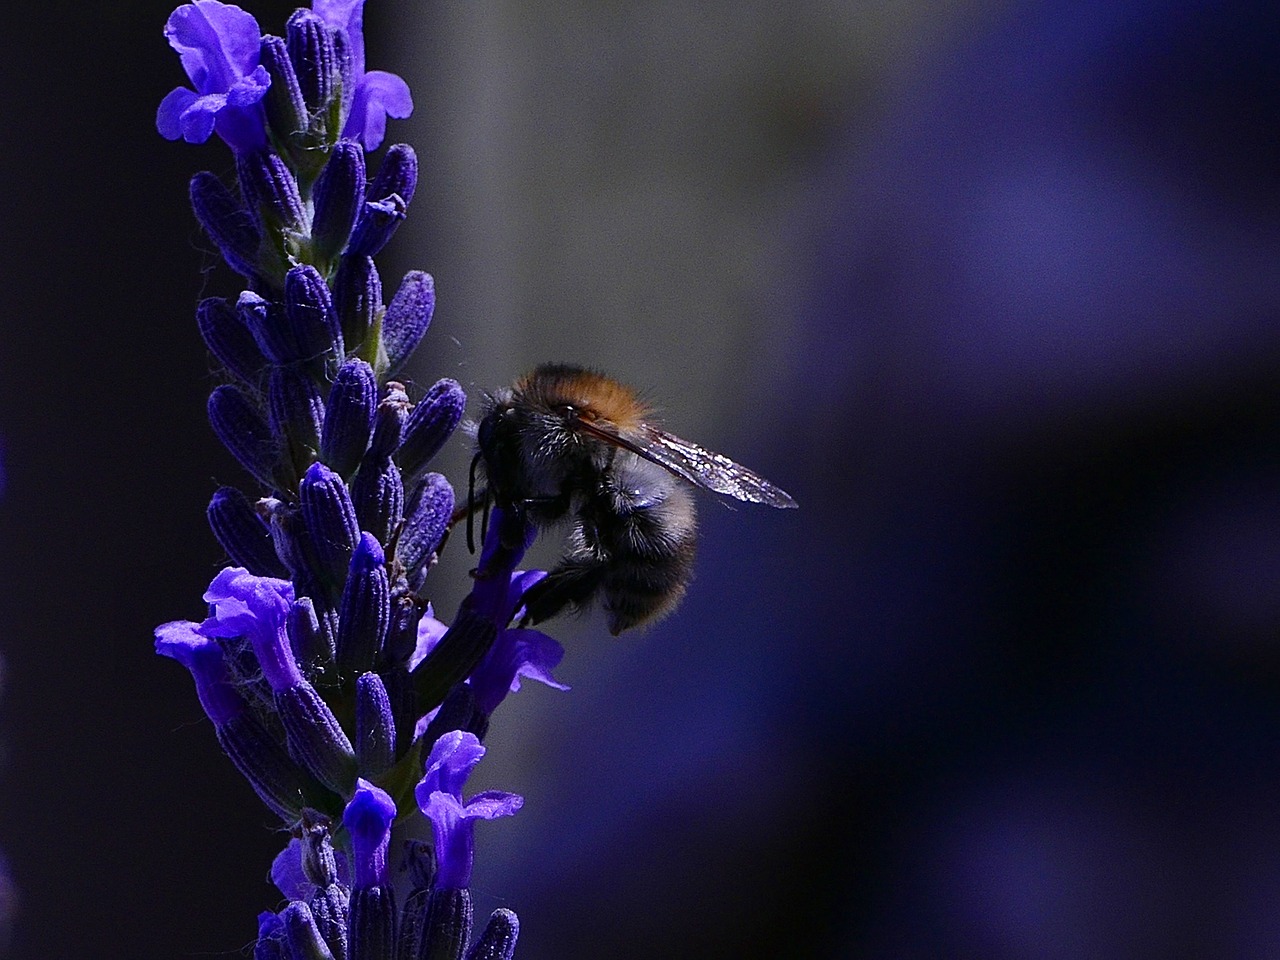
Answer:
(567, 442)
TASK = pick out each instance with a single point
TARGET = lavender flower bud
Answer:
(228, 225)
(408, 317)
(338, 198)
(372, 924)
(498, 941)
(311, 645)
(270, 190)
(427, 517)
(228, 339)
(329, 900)
(301, 935)
(244, 433)
(308, 309)
(331, 521)
(376, 226)
(330, 907)
(388, 422)
(398, 174)
(243, 534)
(366, 609)
(296, 414)
(330, 910)
(368, 818)
(289, 535)
(263, 321)
(285, 107)
(348, 419)
(378, 494)
(357, 294)
(310, 45)
(319, 865)
(446, 925)
(431, 423)
(340, 106)
(264, 763)
(375, 726)
(316, 739)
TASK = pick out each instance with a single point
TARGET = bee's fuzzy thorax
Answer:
(554, 385)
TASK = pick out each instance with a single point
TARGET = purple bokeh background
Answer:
(1006, 686)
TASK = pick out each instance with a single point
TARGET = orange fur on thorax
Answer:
(554, 385)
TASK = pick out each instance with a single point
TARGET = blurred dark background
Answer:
(991, 289)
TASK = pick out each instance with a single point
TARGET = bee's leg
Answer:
(571, 585)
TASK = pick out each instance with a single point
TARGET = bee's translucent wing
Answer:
(691, 462)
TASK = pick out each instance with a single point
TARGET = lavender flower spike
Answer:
(293, 671)
(439, 796)
(218, 46)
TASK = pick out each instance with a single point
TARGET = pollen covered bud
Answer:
(432, 422)
(427, 517)
(408, 317)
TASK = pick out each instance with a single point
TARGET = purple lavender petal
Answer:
(180, 640)
(256, 608)
(287, 873)
(450, 762)
(217, 44)
(368, 818)
(430, 630)
(379, 95)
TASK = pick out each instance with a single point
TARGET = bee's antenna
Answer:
(484, 520)
(471, 504)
